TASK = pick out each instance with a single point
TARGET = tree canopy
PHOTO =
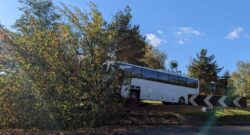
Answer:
(205, 68)
(240, 80)
(154, 58)
(174, 65)
(58, 82)
(130, 45)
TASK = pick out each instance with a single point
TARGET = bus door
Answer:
(126, 81)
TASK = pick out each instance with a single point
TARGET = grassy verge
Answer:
(233, 112)
(220, 116)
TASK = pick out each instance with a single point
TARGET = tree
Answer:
(240, 79)
(223, 83)
(173, 65)
(29, 91)
(205, 69)
(37, 14)
(130, 45)
(7, 62)
(103, 102)
(52, 88)
(154, 58)
(2, 49)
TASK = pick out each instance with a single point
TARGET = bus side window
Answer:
(173, 79)
(136, 72)
(150, 75)
(192, 83)
(163, 78)
(196, 84)
(183, 81)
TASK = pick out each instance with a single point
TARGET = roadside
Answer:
(142, 130)
(161, 119)
(156, 114)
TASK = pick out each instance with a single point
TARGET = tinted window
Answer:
(183, 81)
(148, 74)
(136, 72)
(173, 79)
(163, 77)
(192, 83)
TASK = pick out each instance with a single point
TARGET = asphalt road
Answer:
(192, 130)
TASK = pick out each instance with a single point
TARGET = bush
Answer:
(51, 85)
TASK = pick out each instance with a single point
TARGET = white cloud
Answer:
(153, 40)
(236, 33)
(184, 34)
(180, 41)
(159, 31)
(188, 31)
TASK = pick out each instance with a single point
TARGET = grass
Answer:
(232, 112)
(233, 116)
(220, 116)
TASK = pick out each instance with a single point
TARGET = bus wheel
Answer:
(165, 103)
(134, 98)
(181, 100)
(125, 102)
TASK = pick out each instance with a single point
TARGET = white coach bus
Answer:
(142, 83)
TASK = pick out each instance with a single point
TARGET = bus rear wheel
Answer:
(181, 100)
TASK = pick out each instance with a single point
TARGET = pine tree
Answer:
(223, 83)
(205, 69)
(173, 65)
(130, 45)
(154, 58)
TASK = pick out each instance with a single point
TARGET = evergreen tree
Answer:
(223, 83)
(154, 58)
(130, 45)
(205, 69)
(173, 65)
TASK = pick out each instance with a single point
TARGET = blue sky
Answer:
(181, 28)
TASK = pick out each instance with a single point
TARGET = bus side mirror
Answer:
(106, 66)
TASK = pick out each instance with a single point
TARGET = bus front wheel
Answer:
(165, 103)
(134, 97)
(181, 100)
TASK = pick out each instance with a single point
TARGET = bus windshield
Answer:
(126, 78)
